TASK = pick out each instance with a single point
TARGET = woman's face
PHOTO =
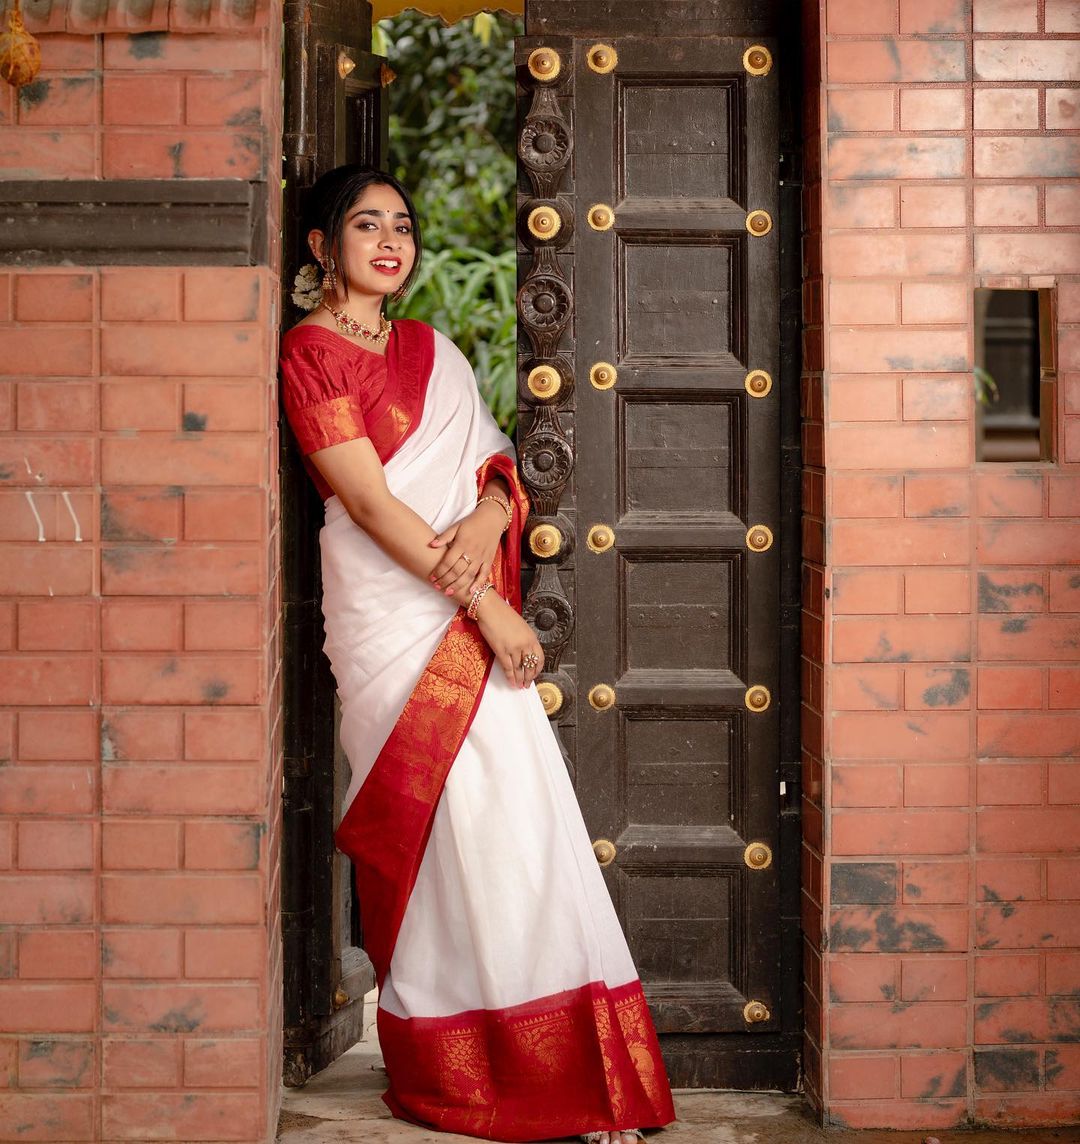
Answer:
(377, 246)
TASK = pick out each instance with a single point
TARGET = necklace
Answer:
(349, 325)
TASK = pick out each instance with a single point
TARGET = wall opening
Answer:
(1014, 374)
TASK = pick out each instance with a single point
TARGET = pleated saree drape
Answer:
(509, 1006)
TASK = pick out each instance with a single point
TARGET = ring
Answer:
(530, 660)
(467, 559)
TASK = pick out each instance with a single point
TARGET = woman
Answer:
(509, 1007)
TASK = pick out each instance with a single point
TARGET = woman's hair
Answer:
(332, 195)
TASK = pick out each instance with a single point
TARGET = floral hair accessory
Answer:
(307, 289)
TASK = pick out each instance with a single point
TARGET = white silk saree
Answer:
(509, 1006)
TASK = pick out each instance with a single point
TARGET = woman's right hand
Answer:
(510, 638)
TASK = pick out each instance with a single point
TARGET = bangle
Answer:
(477, 596)
(504, 505)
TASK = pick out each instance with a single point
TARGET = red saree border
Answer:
(591, 1052)
(386, 827)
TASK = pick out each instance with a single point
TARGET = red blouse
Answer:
(334, 390)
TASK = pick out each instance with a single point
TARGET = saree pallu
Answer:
(509, 1006)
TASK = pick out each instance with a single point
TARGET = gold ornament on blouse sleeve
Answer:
(20, 53)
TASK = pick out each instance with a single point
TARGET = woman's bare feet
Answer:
(630, 1136)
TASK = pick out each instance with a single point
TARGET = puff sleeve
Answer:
(323, 400)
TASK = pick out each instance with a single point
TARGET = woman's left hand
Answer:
(475, 536)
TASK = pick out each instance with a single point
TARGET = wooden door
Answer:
(650, 438)
(334, 113)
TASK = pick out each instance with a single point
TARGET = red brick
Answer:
(1003, 253)
(1062, 878)
(1042, 734)
(180, 898)
(924, 1026)
(45, 899)
(863, 399)
(221, 294)
(180, 1007)
(1062, 1067)
(933, 17)
(228, 953)
(189, 52)
(1063, 784)
(902, 543)
(1027, 639)
(864, 495)
(897, 929)
(862, 109)
(870, 592)
(1064, 687)
(1064, 495)
(141, 625)
(58, 954)
(32, 153)
(853, 1078)
(865, 785)
(56, 846)
(222, 1063)
(54, 297)
(190, 460)
(933, 640)
(1009, 879)
(27, 679)
(62, 1117)
(1037, 1018)
(43, 462)
(933, 1075)
(903, 61)
(170, 153)
(46, 572)
(46, 790)
(1022, 830)
(1005, 16)
(1061, 16)
(58, 625)
(232, 407)
(1062, 206)
(138, 953)
(862, 304)
(60, 407)
(1062, 972)
(936, 398)
(866, 687)
(863, 977)
(60, 736)
(942, 494)
(898, 350)
(141, 515)
(1007, 109)
(1006, 974)
(900, 255)
(56, 1063)
(863, 207)
(1011, 784)
(1028, 61)
(926, 978)
(1000, 205)
(898, 447)
(52, 1009)
(900, 832)
(1062, 105)
(140, 405)
(930, 591)
(862, 19)
(192, 350)
(7, 625)
(1008, 494)
(191, 1116)
(7, 860)
(180, 679)
(932, 109)
(231, 735)
(934, 303)
(1014, 590)
(136, 735)
(223, 845)
(141, 101)
(935, 883)
(140, 845)
(231, 625)
(192, 570)
(225, 515)
(141, 1064)
(929, 785)
(185, 789)
(156, 300)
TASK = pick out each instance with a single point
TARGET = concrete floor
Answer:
(342, 1106)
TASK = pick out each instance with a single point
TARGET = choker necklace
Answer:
(349, 325)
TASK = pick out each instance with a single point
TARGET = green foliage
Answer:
(452, 142)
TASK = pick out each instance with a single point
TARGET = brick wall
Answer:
(139, 700)
(942, 635)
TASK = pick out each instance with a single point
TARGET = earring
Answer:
(400, 292)
(329, 282)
